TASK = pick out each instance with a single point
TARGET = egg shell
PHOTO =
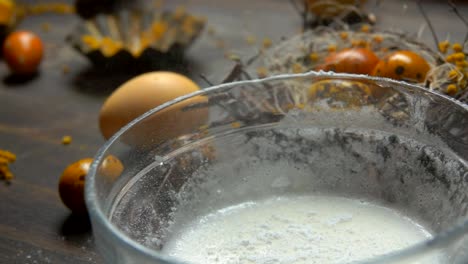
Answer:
(142, 94)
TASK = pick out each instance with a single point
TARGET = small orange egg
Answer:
(357, 60)
(71, 185)
(403, 65)
(23, 52)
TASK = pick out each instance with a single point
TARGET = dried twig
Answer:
(238, 69)
(234, 74)
(296, 6)
(204, 78)
(426, 18)
(253, 59)
(463, 19)
(303, 11)
(246, 75)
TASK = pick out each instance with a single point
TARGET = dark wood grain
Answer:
(34, 114)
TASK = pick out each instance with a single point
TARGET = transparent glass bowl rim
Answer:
(439, 241)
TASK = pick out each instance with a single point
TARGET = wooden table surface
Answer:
(34, 115)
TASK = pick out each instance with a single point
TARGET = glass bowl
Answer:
(315, 133)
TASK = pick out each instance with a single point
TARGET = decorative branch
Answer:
(426, 18)
(463, 19)
(234, 74)
(303, 12)
(204, 78)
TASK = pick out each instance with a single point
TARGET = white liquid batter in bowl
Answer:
(303, 229)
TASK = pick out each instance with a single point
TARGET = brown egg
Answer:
(145, 92)
(71, 185)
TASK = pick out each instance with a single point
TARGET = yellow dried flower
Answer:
(457, 47)
(450, 58)
(267, 43)
(377, 38)
(331, 48)
(365, 28)
(66, 140)
(262, 72)
(158, 29)
(250, 39)
(300, 106)
(443, 46)
(451, 89)
(313, 56)
(110, 47)
(90, 41)
(343, 35)
(459, 56)
(179, 12)
(235, 124)
(461, 64)
(297, 68)
(6, 157)
(453, 74)
(188, 26)
(58, 8)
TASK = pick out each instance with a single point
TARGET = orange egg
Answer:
(23, 52)
(71, 185)
(403, 65)
(142, 94)
(357, 60)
